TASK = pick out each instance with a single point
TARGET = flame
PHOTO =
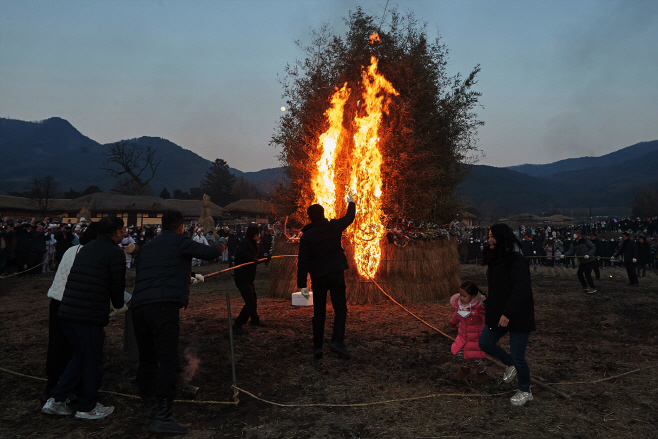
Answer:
(366, 160)
(323, 184)
(374, 38)
(366, 179)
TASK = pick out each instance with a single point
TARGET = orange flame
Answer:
(374, 38)
(366, 179)
(323, 184)
(366, 161)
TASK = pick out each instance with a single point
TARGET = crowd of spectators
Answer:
(32, 247)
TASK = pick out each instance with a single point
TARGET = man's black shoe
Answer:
(240, 331)
(257, 323)
(317, 354)
(340, 349)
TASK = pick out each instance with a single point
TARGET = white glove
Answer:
(634, 260)
(534, 252)
(197, 278)
(305, 293)
(561, 256)
(586, 256)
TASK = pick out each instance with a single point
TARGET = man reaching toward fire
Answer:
(322, 256)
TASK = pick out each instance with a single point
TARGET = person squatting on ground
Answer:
(97, 276)
(322, 256)
(59, 349)
(585, 251)
(244, 278)
(628, 249)
(162, 288)
(469, 318)
(510, 307)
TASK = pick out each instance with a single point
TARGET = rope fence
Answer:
(237, 390)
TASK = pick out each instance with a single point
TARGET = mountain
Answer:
(632, 152)
(54, 147)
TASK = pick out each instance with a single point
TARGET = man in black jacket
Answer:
(244, 278)
(628, 249)
(162, 287)
(321, 256)
(98, 276)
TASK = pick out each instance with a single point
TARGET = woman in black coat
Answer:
(509, 307)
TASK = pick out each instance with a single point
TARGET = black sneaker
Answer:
(317, 354)
(240, 331)
(340, 349)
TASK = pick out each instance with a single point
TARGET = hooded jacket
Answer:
(470, 327)
(320, 250)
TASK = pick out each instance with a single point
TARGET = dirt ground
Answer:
(398, 385)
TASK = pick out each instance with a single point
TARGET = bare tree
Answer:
(42, 191)
(134, 162)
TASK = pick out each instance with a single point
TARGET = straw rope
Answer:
(29, 269)
(237, 390)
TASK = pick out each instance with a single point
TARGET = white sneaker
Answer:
(98, 412)
(509, 374)
(591, 291)
(521, 398)
(53, 407)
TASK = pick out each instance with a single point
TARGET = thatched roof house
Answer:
(249, 209)
(20, 207)
(135, 210)
(558, 219)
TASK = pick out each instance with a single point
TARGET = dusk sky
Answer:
(559, 78)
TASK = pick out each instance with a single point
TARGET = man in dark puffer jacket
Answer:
(98, 276)
(162, 287)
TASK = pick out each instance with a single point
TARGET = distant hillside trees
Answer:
(244, 190)
(165, 194)
(136, 164)
(218, 183)
(645, 203)
(41, 190)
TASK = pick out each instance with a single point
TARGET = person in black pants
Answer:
(244, 278)
(628, 249)
(97, 277)
(597, 255)
(162, 288)
(321, 256)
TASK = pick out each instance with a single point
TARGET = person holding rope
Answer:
(322, 256)
(510, 307)
(244, 279)
(628, 249)
(585, 251)
(97, 278)
(162, 288)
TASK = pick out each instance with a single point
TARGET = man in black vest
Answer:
(322, 256)
(162, 287)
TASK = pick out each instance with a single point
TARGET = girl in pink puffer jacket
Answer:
(469, 317)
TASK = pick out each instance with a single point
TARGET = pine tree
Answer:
(165, 194)
(218, 183)
(428, 136)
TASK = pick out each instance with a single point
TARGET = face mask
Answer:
(464, 313)
(575, 236)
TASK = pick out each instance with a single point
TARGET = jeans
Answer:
(156, 328)
(85, 367)
(335, 284)
(518, 342)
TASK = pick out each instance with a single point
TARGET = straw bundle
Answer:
(419, 272)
